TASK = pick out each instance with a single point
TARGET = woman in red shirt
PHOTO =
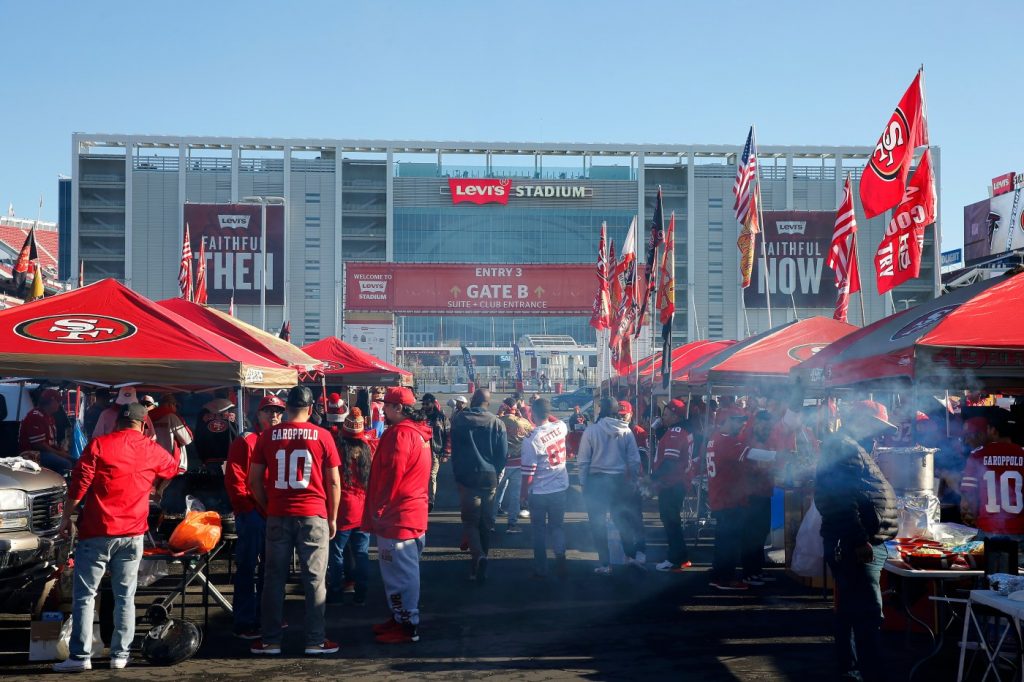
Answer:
(356, 456)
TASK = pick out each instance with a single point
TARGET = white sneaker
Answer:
(636, 563)
(665, 566)
(73, 665)
(641, 557)
(603, 570)
(118, 663)
(524, 514)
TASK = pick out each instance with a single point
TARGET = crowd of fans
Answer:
(314, 478)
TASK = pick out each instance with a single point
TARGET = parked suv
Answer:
(31, 506)
(578, 398)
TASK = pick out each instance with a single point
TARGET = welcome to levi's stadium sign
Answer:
(498, 191)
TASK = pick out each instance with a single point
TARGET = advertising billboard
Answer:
(796, 244)
(232, 236)
(996, 225)
(450, 289)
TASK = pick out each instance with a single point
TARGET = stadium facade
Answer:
(427, 202)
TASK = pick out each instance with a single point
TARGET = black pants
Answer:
(670, 505)
(858, 611)
(728, 543)
(755, 530)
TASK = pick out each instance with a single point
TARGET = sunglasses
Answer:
(147, 404)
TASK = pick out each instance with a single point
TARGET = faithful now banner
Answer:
(431, 289)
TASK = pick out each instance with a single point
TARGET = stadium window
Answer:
(312, 197)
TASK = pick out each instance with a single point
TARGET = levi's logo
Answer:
(234, 222)
(1002, 184)
(75, 329)
(791, 226)
(479, 190)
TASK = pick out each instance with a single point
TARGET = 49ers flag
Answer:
(899, 255)
(600, 317)
(884, 179)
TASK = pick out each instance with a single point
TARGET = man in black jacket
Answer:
(858, 514)
(479, 449)
(440, 442)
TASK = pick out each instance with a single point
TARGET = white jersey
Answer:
(544, 458)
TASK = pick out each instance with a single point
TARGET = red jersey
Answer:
(727, 472)
(236, 474)
(298, 457)
(396, 501)
(995, 473)
(675, 446)
(37, 428)
(114, 476)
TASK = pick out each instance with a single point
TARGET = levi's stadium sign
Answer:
(447, 289)
(497, 191)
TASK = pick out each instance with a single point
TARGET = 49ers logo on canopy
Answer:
(76, 329)
(924, 322)
(805, 351)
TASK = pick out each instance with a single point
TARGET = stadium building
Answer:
(504, 235)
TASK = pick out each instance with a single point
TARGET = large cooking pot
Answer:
(907, 469)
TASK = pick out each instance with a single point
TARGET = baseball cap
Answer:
(677, 406)
(218, 405)
(299, 396)
(461, 399)
(147, 400)
(271, 400)
(870, 409)
(48, 395)
(126, 396)
(399, 395)
(133, 411)
(625, 408)
(428, 398)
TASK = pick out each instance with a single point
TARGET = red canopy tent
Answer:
(347, 364)
(768, 357)
(684, 359)
(969, 338)
(107, 334)
(255, 339)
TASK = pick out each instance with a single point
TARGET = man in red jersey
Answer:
(114, 478)
(992, 487)
(294, 476)
(670, 474)
(250, 522)
(396, 511)
(38, 432)
(727, 462)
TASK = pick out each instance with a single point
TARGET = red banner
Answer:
(450, 289)
(883, 182)
(898, 258)
(479, 190)
(232, 237)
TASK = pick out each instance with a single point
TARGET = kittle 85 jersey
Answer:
(544, 458)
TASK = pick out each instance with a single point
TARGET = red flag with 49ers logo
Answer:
(884, 179)
(899, 255)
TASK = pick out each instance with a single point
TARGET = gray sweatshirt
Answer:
(608, 447)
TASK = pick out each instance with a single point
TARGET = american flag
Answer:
(842, 256)
(185, 269)
(746, 173)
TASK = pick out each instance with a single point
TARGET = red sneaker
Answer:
(405, 632)
(387, 626)
(682, 567)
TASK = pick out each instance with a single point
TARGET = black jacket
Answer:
(857, 504)
(479, 448)
(441, 432)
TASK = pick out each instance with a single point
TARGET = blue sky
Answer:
(667, 72)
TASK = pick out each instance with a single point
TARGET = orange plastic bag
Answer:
(199, 531)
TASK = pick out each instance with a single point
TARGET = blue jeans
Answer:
(508, 492)
(55, 462)
(604, 493)
(357, 544)
(251, 529)
(547, 515)
(93, 557)
(858, 610)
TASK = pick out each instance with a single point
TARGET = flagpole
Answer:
(764, 232)
(693, 310)
(856, 258)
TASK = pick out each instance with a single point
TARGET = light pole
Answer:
(263, 201)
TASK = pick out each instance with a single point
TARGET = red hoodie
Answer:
(396, 500)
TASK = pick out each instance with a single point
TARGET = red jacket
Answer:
(236, 474)
(396, 501)
(114, 477)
